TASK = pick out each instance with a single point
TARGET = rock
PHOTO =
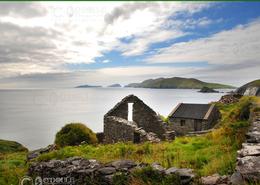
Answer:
(253, 137)
(109, 178)
(158, 167)
(249, 168)
(186, 175)
(236, 179)
(251, 91)
(211, 180)
(36, 153)
(208, 90)
(123, 164)
(170, 135)
(249, 149)
(107, 170)
(255, 126)
(229, 99)
(152, 137)
(171, 170)
(215, 179)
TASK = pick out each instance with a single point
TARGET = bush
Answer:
(74, 134)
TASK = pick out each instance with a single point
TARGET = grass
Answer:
(12, 167)
(207, 154)
(10, 146)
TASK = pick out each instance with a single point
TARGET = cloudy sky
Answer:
(65, 44)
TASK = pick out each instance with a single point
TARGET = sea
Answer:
(32, 117)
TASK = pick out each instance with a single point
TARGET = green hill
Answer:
(11, 146)
(177, 83)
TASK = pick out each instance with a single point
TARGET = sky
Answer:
(65, 44)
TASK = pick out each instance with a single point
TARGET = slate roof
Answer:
(192, 111)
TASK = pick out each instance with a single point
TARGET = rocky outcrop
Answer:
(83, 171)
(250, 89)
(229, 99)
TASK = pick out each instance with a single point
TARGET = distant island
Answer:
(115, 85)
(87, 86)
(178, 83)
(207, 90)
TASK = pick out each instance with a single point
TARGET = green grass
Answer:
(207, 154)
(12, 167)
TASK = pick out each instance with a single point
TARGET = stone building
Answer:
(132, 120)
(187, 118)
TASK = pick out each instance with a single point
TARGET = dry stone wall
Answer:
(118, 130)
(146, 123)
(248, 161)
(80, 171)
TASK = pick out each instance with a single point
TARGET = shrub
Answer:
(120, 179)
(74, 134)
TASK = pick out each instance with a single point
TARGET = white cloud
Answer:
(238, 45)
(145, 71)
(36, 44)
(141, 44)
(106, 61)
(51, 34)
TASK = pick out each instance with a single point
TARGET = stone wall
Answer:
(118, 130)
(147, 119)
(212, 119)
(100, 136)
(182, 130)
(143, 117)
(189, 126)
(80, 171)
(248, 160)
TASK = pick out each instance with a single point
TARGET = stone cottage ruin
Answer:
(193, 118)
(132, 120)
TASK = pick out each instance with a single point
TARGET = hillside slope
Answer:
(11, 146)
(177, 83)
(251, 88)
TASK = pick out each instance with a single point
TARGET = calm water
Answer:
(32, 117)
